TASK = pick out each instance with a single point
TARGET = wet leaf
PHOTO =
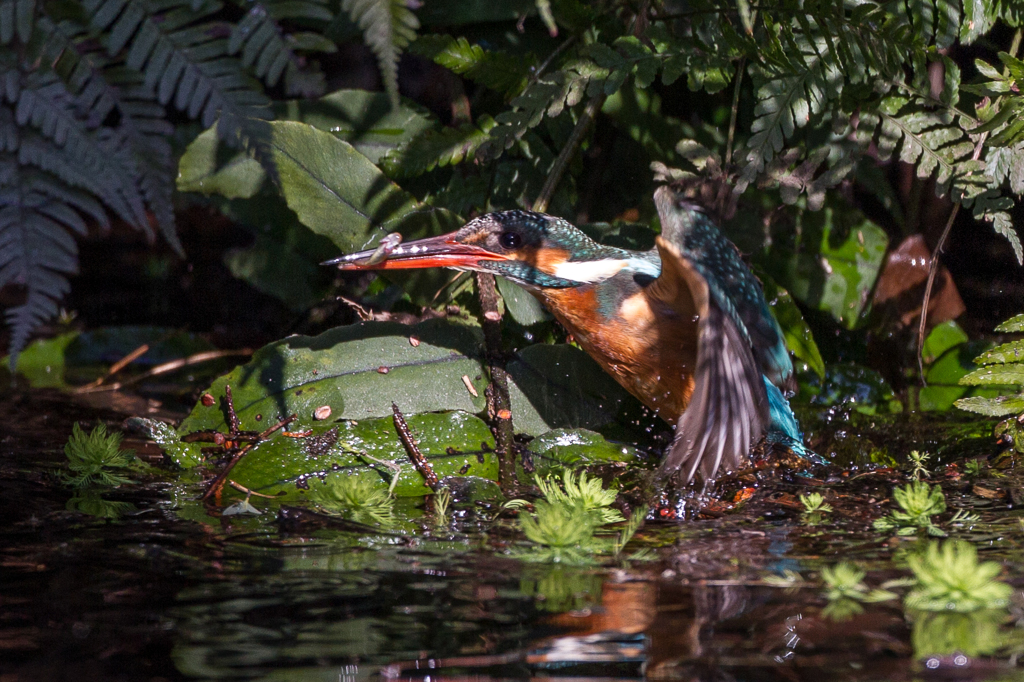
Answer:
(799, 338)
(452, 442)
(1014, 324)
(364, 119)
(902, 282)
(1002, 406)
(209, 166)
(579, 446)
(356, 372)
(996, 375)
(520, 304)
(1006, 353)
(561, 387)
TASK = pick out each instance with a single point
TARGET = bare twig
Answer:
(735, 111)
(568, 151)
(413, 450)
(120, 364)
(499, 405)
(166, 367)
(218, 483)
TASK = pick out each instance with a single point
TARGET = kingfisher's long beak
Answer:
(432, 252)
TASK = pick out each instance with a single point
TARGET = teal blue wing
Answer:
(732, 287)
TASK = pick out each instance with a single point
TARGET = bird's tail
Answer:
(783, 428)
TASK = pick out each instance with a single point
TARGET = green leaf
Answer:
(211, 167)
(339, 193)
(521, 304)
(505, 73)
(1004, 354)
(996, 375)
(943, 337)
(338, 448)
(799, 338)
(831, 263)
(1002, 406)
(357, 371)
(561, 387)
(573, 447)
(42, 362)
(366, 120)
(1014, 324)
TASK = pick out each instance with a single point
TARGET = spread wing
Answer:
(731, 285)
(728, 409)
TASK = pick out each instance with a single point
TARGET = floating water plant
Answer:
(846, 581)
(579, 488)
(814, 503)
(973, 467)
(918, 470)
(565, 531)
(950, 578)
(918, 503)
(94, 458)
(439, 505)
(357, 498)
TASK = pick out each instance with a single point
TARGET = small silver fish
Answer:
(384, 249)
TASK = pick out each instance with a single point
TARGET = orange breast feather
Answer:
(649, 348)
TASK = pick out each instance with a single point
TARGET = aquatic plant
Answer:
(846, 581)
(92, 457)
(565, 531)
(918, 503)
(918, 470)
(579, 488)
(972, 468)
(970, 634)
(950, 578)
(90, 502)
(439, 505)
(814, 503)
(636, 520)
(355, 497)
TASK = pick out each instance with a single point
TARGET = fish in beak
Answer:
(444, 251)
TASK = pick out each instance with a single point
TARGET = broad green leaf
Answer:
(799, 338)
(107, 345)
(356, 371)
(941, 339)
(364, 119)
(338, 193)
(1014, 324)
(579, 446)
(830, 262)
(561, 387)
(42, 362)
(858, 387)
(520, 304)
(452, 442)
(1002, 406)
(210, 167)
(996, 375)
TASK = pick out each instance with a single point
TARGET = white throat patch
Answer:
(589, 271)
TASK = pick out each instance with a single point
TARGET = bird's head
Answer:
(535, 250)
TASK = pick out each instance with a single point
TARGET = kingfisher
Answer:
(684, 327)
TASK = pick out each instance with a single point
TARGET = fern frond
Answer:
(498, 71)
(36, 251)
(388, 28)
(181, 59)
(271, 53)
(433, 148)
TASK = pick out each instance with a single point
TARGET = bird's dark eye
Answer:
(511, 240)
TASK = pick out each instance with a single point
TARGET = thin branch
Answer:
(499, 405)
(735, 110)
(568, 151)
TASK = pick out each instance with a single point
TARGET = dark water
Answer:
(154, 596)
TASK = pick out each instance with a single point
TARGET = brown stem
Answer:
(218, 483)
(568, 151)
(734, 116)
(413, 450)
(499, 406)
